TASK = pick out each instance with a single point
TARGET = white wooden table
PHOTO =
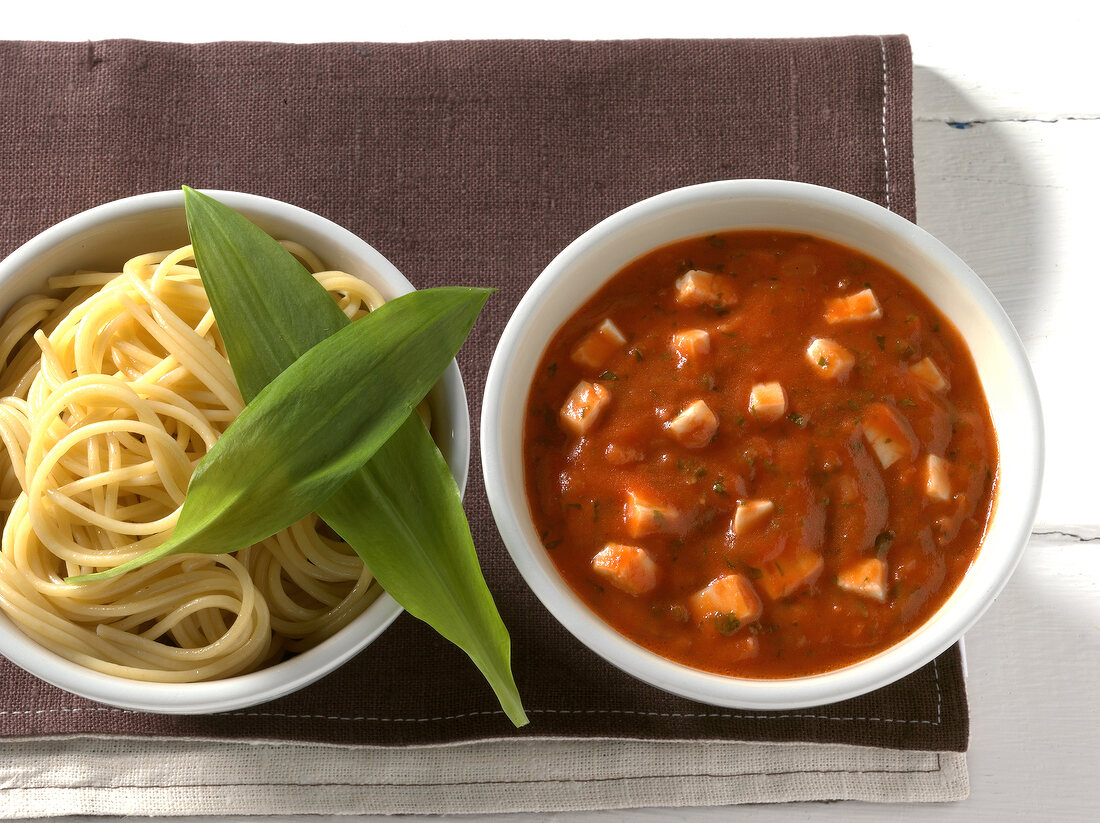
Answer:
(1006, 107)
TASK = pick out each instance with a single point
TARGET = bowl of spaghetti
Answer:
(114, 384)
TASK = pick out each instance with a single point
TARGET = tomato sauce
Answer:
(760, 454)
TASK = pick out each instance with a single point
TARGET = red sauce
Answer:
(724, 539)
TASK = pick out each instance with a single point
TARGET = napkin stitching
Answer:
(363, 719)
(885, 97)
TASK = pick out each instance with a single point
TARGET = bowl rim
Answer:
(244, 690)
(509, 508)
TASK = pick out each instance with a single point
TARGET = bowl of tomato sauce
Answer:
(762, 444)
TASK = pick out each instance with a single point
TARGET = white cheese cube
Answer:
(627, 568)
(937, 480)
(866, 578)
(730, 595)
(584, 406)
(695, 426)
(645, 516)
(889, 435)
(701, 288)
(689, 345)
(598, 345)
(853, 308)
(927, 372)
(751, 514)
(830, 359)
(767, 402)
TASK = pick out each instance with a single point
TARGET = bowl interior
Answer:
(104, 238)
(699, 210)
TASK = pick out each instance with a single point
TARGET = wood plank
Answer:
(1015, 201)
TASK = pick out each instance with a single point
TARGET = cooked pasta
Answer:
(112, 393)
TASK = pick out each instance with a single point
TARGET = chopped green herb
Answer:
(727, 624)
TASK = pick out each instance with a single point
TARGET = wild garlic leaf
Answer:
(402, 511)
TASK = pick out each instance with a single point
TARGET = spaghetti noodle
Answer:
(111, 395)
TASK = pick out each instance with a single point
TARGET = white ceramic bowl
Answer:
(105, 237)
(575, 274)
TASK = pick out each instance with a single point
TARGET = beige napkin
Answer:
(125, 776)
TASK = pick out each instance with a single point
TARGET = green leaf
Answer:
(320, 420)
(270, 311)
(428, 564)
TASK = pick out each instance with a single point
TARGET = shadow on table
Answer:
(979, 191)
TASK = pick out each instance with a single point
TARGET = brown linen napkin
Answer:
(464, 163)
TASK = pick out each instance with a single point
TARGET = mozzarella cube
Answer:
(853, 308)
(731, 326)
(695, 426)
(927, 372)
(767, 402)
(790, 572)
(889, 435)
(700, 288)
(643, 516)
(866, 578)
(744, 646)
(730, 595)
(947, 528)
(690, 345)
(584, 406)
(846, 489)
(598, 345)
(627, 568)
(751, 514)
(937, 479)
(830, 359)
(618, 455)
